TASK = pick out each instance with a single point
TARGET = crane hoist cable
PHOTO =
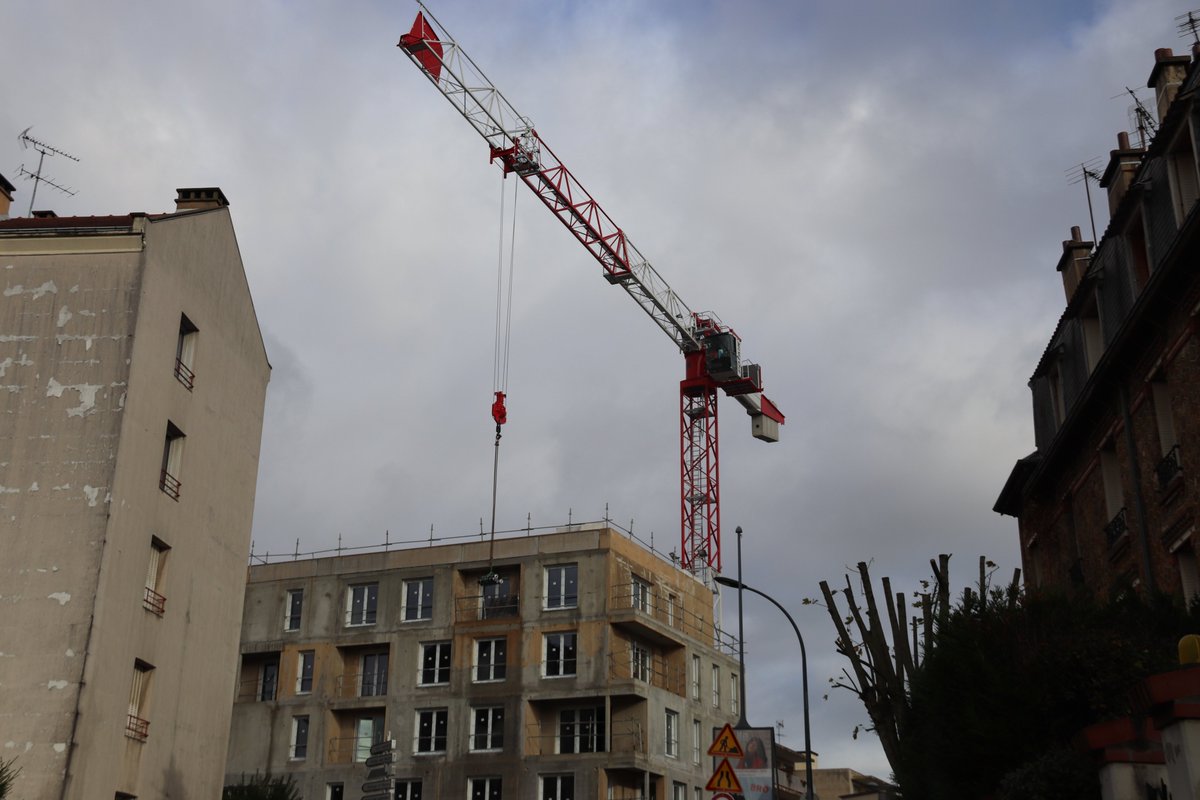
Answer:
(500, 353)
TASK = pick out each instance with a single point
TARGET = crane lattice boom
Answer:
(711, 350)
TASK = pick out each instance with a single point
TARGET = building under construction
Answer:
(573, 665)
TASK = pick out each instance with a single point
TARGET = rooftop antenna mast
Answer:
(1141, 118)
(1084, 172)
(43, 150)
(1189, 23)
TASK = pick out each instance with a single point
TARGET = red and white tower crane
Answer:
(711, 351)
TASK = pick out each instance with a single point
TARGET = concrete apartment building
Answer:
(1107, 501)
(132, 385)
(588, 671)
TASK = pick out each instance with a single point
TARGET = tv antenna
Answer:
(1084, 172)
(1189, 23)
(36, 176)
(1140, 118)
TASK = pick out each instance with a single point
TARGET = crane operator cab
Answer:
(722, 356)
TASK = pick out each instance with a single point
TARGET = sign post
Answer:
(378, 785)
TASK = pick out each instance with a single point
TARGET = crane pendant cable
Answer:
(503, 336)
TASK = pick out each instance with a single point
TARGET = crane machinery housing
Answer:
(711, 350)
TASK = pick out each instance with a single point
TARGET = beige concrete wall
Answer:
(190, 266)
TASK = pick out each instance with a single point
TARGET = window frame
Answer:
(298, 746)
(558, 791)
(716, 685)
(564, 597)
(437, 716)
(422, 611)
(641, 662)
(492, 667)
(671, 733)
(293, 610)
(407, 785)
(378, 686)
(306, 668)
(563, 661)
(154, 597)
(185, 353)
(585, 735)
(369, 613)
(492, 735)
(443, 662)
(490, 791)
(641, 594)
(697, 687)
(172, 462)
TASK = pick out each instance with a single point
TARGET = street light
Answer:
(735, 584)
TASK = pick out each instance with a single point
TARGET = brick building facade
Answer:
(1106, 502)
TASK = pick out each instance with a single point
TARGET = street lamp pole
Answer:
(737, 584)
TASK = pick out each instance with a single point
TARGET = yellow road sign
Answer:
(726, 744)
(724, 779)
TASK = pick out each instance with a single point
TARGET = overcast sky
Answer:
(873, 194)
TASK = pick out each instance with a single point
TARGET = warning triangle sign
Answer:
(726, 744)
(724, 779)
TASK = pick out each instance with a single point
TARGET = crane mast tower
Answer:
(711, 350)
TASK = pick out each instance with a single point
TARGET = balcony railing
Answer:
(651, 669)
(1168, 468)
(626, 737)
(477, 607)
(349, 749)
(137, 728)
(153, 601)
(358, 684)
(1116, 528)
(668, 612)
(184, 374)
(169, 484)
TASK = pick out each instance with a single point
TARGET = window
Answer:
(435, 663)
(558, 787)
(678, 791)
(367, 731)
(374, 675)
(562, 586)
(716, 686)
(672, 730)
(431, 731)
(559, 654)
(185, 352)
(1189, 575)
(1114, 495)
(640, 662)
(697, 793)
(418, 599)
(293, 607)
(172, 461)
(299, 738)
(672, 601)
(641, 594)
(485, 789)
(268, 680)
(490, 660)
(734, 697)
(581, 730)
(487, 728)
(137, 726)
(335, 791)
(304, 671)
(408, 790)
(695, 677)
(361, 604)
(696, 742)
(152, 598)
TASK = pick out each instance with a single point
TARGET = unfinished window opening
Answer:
(172, 462)
(185, 352)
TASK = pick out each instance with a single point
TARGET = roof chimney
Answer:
(201, 197)
(1074, 262)
(6, 190)
(1123, 164)
(1166, 77)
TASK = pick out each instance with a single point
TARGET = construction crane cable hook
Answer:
(500, 356)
